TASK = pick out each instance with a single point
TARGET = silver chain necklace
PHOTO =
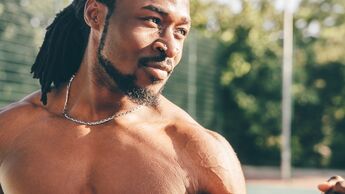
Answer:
(91, 123)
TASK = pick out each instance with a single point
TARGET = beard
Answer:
(126, 82)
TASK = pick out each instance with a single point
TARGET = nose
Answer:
(167, 44)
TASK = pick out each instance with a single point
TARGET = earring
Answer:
(95, 19)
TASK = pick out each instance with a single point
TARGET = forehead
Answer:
(178, 8)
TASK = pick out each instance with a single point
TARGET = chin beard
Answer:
(126, 84)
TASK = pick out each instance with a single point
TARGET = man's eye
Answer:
(153, 20)
(182, 31)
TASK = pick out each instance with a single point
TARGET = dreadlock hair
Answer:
(63, 47)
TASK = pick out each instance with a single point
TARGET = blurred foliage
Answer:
(319, 90)
(250, 55)
(29, 16)
(22, 24)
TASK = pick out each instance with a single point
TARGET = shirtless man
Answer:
(99, 123)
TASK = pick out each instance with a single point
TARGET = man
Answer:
(104, 127)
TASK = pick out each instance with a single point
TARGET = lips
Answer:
(159, 65)
(158, 70)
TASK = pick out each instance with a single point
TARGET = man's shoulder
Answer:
(204, 144)
(30, 104)
(187, 129)
(19, 114)
(13, 121)
(208, 152)
(18, 109)
(212, 157)
(174, 112)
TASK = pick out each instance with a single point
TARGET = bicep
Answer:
(228, 169)
(215, 164)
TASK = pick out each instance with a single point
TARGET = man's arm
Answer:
(13, 121)
(229, 169)
(219, 169)
(2, 125)
(13, 118)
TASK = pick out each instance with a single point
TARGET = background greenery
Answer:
(236, 55)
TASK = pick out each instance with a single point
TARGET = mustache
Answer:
(159, 58)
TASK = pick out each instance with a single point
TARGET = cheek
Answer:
(127, 44)
(142, 37)
(179, 57)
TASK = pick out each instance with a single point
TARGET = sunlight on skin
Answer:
(83, 131)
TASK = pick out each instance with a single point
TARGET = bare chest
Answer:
(89, 163)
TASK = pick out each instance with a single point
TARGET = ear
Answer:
(94, 14)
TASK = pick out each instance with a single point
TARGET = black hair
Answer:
(63, 47)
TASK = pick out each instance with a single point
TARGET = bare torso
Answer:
(46, 153)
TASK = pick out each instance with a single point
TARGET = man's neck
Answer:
(91, 100)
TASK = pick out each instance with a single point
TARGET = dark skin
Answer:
(155, 149)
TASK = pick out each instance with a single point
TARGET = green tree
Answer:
(250, 55)
(319, 89)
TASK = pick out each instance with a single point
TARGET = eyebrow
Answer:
(186, 21)
(161, 11)
(156, 9)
